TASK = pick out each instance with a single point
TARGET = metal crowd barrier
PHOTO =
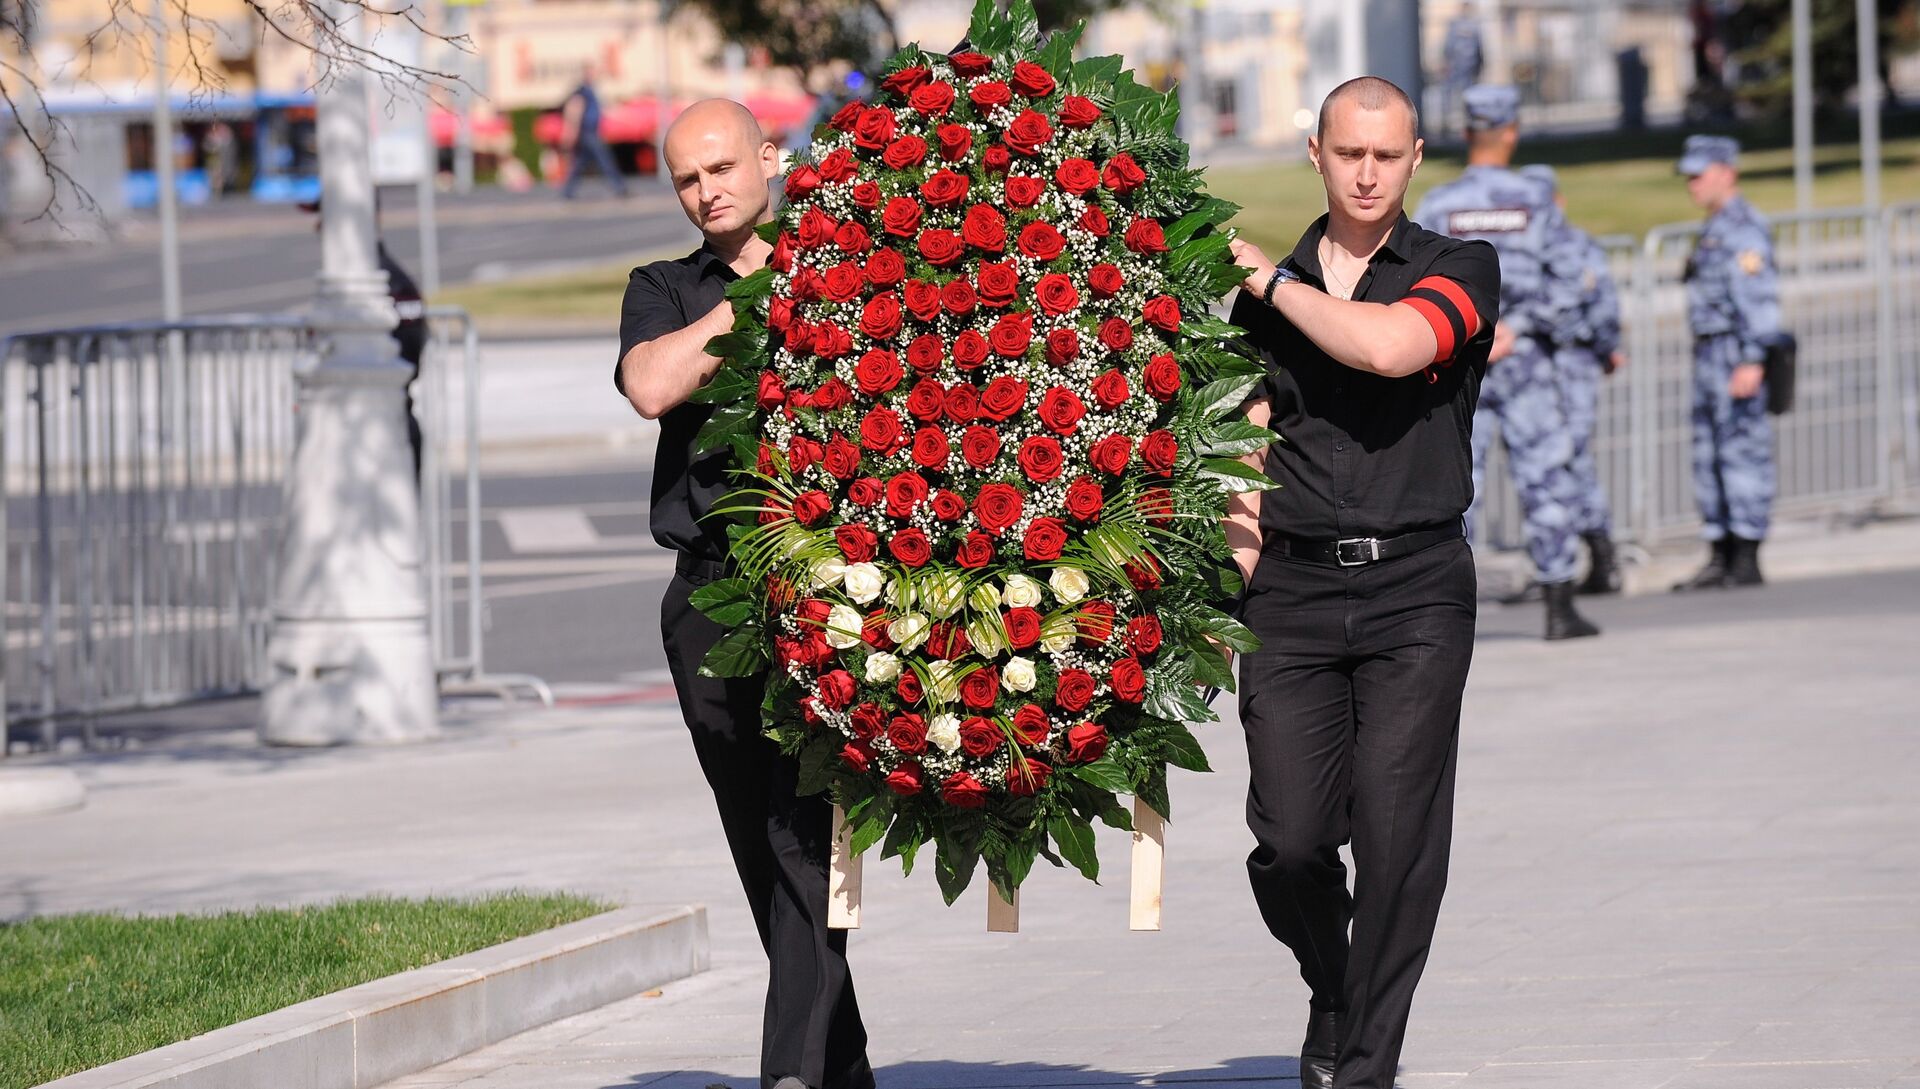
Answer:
(1850, 291)
(144, 469)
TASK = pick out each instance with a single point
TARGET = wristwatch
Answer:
(1281, 275)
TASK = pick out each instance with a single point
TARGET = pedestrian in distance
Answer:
(580, 138)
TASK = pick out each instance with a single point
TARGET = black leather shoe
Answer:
(1563, 621)
(1743, 562)
(1603, 567)
(1711, 577)
(1319, 1050)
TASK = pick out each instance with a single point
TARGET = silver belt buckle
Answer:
(1370, 551)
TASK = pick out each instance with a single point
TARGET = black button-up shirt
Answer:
(1362, 455)
(666, 297)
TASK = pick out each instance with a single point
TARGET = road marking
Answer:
(548, 529)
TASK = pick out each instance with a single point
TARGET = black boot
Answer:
(1321, 1048)
(1714, 575)
(1563, 622)
(1743, 562)
(1603, 568)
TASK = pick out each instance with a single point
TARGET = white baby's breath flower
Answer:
(843, 627)
(1070, 584)
(1018, 675)
(882, 668)
(909, 630)
(1022, 591)
(863, 582)
(944, 733)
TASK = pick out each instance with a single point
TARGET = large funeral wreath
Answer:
(987, 430)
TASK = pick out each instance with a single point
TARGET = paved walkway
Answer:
(1685, 859)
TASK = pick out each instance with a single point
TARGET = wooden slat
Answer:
(1149, 866)
(843, 878)
(1002, 917)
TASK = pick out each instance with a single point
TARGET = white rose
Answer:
(985, 600)
(987, 637)
(900, 593)
(1022, 592)
(1069, 584)
(1056, 643)
(882, 668)
(942, 592)
(843, 627)
(863, 582)
(1018, 675)
(946, 682)
(828, 573)
(908, 630)
(944, 732)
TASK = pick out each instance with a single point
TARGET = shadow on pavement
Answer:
(1247, 1072)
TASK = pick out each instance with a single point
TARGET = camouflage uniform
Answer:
(1733, 309)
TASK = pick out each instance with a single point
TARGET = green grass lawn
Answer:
(81, 990)
(589, 296)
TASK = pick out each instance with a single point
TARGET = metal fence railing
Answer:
(1849, 282)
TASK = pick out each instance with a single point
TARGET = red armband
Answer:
(1445, 305)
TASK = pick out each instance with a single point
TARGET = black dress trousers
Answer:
(780, 844)
(1352, 713)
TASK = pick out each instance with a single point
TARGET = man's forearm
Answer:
(660, 374)
(1371, 337)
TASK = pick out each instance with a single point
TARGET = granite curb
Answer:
(371, 1034)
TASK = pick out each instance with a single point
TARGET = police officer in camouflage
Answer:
(1585, 355)
(1492, 202)
(1733, 310)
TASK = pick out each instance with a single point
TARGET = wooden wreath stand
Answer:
(1149, 861)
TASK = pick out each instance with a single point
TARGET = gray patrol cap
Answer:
(1541, 173)
(1491, 105)
(1703, 151)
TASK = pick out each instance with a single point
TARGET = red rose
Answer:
(970, 63)
(857, 755)
(933, 100)
(1046, 537)
(1144, 634)
(908, 687)
(810, 507)
(1159, 450)
(1123, 175)
(975, 552)
(947, 641)
(866, 491)
(843, 281)
(780, 314)
(1085, 500)
(957, 297)
(1023, 191)
(906, 780)
(1041, 459)
(880, 319)
(997, 506)
(941, 247)
(907, 80)
(842, 458)
(802, 454)
(1060, 410)
(962, 791)
(782, 256)
(1028, 132)
(801, 181)
(904, 492)
(1129, 681)
(985, 228)
(867, 195)
(838, 166)
(1003, 397)
(816, 228)
(1144, 573)
(955, 141)
(1156, 506)
(1162, 312)
(1111, 454)
(1027, 777)
(806, 285)
(1055, 293)
(1161, 378)
(868, 721)
(969, 350)
(990, 94)
(1078, 113)
(980, 446)
(948, 506)
(1105, 280)
(910, 547)
(1116, 334)
(1031, 726)
(879, 370)
(771, 394)
(1110, 390)
(908, 733)
(873, 630)
(1086, 743)
(1023, 627)
(1040, 241)
(858, 544)
(980, 688)
(999, 284)
(930, 448)
(1011, 335)
(925, 399)
(922, 298)
(1063, 346)
(830, 341)
(1077, 176)
(886, 268)
(875, 128)
(979, 736)
(925, 352)
(996, 159)
(852, 238)
(1074, 690)
(1031, 80)
(1145, 236)
(836, 689)
(901, 217)
(944, 189)
(1095, 622)
(963, 402)
(880, 431)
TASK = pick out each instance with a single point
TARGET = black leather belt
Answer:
(699, 569)
(1359, 551)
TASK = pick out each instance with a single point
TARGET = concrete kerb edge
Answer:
(388, 1028)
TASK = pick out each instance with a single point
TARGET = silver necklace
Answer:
(1343, 289)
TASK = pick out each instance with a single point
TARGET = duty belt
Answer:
(699, 570)
(1359, 551)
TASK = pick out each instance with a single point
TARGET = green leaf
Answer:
(954, 864)
(1183, 750)
(1095, 74)
(1057, 55)
(1226, 629)
(984, 28)
(1217, 398)
(871, 829)
(1232, 438)
(1172, 696)
(1209, 663)
(739, 344)
(1075, 837)
(816, 763)
(1103, 773)
(1019, 863)
(1154, 792)
(1115, 815)
(1204, 250)
(754, 284)
(727, 421)
(903, 839)
(1236, 476)
(727, 602)
(727, 385)
(739, 653)
(1212, 212)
